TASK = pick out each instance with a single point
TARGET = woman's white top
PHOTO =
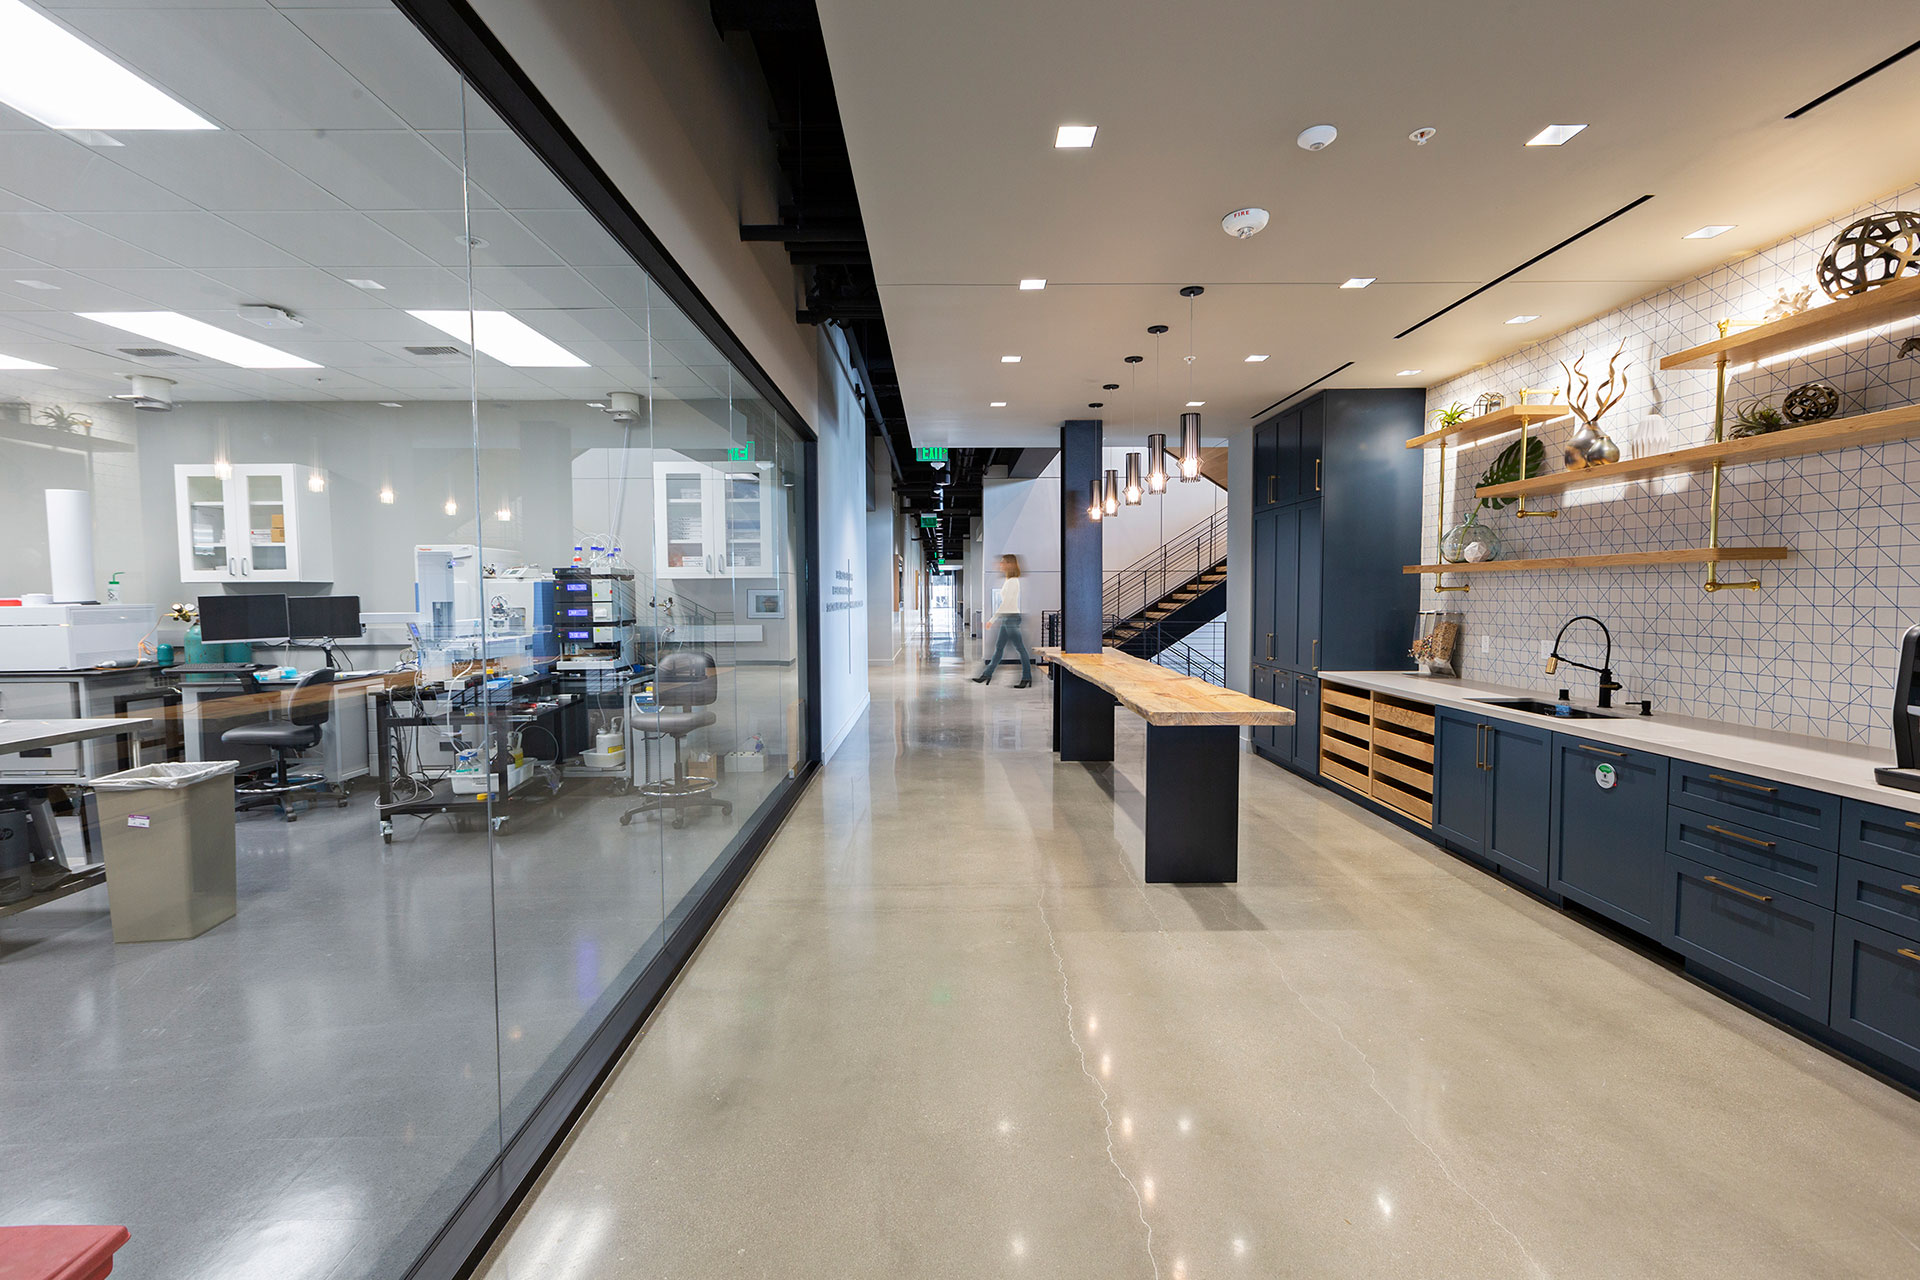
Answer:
(1009, 599)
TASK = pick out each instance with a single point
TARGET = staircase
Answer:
(1169, 619)
(1166, 595)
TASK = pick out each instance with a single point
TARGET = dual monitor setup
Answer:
(279, 617)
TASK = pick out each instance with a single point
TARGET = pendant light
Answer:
(1190, 421)
(1156, 478)
(1134, 488)
(1157, 442)
(1112, 502)
(1098, 507)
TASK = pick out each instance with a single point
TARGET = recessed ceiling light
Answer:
(200, 338)
(1523, 319)
(1255, 359)
(1031, 285)
(1009, 359)
(997, 404)
(14, 362)
(1075, 135)
(37, 284)
(389, 404)
(1709, 231)
(1358, 282)
(365, 284)
(1195, 404)
(1406, 373)
(1554, 135)
(60, 80)
(505, 337)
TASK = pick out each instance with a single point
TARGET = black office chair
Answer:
(684, 680)
(308, 704)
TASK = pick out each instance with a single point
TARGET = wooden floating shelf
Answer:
(1614, 560)
(1500, 421)
(1888, 304)
(1902, 423)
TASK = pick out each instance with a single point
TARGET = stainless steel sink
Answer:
(1539, 708)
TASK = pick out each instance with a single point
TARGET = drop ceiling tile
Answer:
(298, 289)
(388, 56)
(576, 236)
(58, 240)
(219, 170)
(507, 243)
(503, 166)
(369, 169)
(59, 173)
(516, 287)
(333, 239)
(139, 288)
(589, 323)
(386, 325)
(192, 239)
(243, 69)
(422, 288)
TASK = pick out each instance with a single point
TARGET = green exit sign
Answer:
(930, 455)
(928, 522)
(740, 453)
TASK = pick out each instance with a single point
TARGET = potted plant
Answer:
(1470, 541)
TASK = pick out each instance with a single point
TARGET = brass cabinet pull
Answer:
(1735, 782)
(1735, 835)
(1911, 888)
(1269, 646)
(1488, 752)
(1316, 475)
(1588, 746)
(1479, 756)
(1757, 897)
(1316, 655)
(1911, 955)
(1914, 825)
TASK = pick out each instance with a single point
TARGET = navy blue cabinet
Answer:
(1750, 934)
(1493, 791)
(1777, 808)
(1885, 837)
(1876, 990)
(1609, 830)
(1880, 896)
(1773, 860)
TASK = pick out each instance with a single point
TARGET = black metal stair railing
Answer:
(1167, 568)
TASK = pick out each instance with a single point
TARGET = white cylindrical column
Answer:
(70, 544)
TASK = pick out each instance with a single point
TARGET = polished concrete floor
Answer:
(944, 1031)
(307, 1090)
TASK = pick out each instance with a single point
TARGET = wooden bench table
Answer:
(1193, 753)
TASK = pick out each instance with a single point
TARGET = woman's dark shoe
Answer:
(1024, 684)
(980, 679)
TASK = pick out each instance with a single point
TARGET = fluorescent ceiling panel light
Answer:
(1406, 373)
(1523, 319)
(14, 362)
(1073, 136)
(1256, 359)
(997, 404)
(57, 78)
(1358, 282)
(506, 338)
(1709, 231)
(1554, 135)
(1195, 404)
(365, 284)
(1031, 285)
(37, 284)
(200, 338)
(1009, 359)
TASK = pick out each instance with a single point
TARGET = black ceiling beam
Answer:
(789, 233)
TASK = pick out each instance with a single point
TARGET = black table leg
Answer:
(1193, 803)
(1082, 717)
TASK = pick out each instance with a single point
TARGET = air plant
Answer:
(1591, 446)
(1756, 417)
(1451, 416)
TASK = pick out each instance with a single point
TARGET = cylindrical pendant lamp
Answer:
(1189, 447)
(1157, 463)
(1097, 507)
(1113, 491)
(1134, 487)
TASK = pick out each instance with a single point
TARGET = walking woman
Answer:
(1007, 619)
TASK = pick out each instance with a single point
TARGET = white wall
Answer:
(1139, 531)
(842, 583)
(1022, 517)
(1240, 560)
(883, 543)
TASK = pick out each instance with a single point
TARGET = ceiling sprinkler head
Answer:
(1422, 136)
(1317, 138)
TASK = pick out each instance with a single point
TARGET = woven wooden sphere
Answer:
(1811, 402)
(1870, 253)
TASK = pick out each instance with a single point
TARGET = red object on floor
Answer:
(58, 1253)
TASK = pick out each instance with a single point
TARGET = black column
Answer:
(1082, 718)
(1193, 804)
(1081, 618)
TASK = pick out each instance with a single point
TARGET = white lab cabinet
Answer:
(253, 523)
(715, 522)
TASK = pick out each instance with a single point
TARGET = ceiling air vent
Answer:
(153, 353)
(434, 351)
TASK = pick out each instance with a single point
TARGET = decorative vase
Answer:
(1470, 541)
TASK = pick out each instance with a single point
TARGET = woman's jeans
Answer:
(1010, 635)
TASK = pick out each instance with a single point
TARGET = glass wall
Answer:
(336, 431)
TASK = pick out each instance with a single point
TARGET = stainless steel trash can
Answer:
(166, 832)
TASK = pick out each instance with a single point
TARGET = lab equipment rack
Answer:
(482, 714)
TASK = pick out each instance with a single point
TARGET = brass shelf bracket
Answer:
(1713, 582)
(1440, 524)
(1554, 395)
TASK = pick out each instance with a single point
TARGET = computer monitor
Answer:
(243, 618)
(323, 617)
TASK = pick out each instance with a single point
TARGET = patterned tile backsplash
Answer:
(1813, 650)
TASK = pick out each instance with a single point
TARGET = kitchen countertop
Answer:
(1838, 768)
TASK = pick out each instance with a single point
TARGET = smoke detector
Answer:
(1242, 223)
(623, 406)
(1317, 138)
(270, 317)
(145, 391)
(1422, 136)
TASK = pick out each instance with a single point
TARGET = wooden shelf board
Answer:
(1886, 305)
(1491, 424)
(1853, 432)
(1613, 560)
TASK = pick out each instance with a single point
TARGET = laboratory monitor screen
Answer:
(323, 617)
(243, 618)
